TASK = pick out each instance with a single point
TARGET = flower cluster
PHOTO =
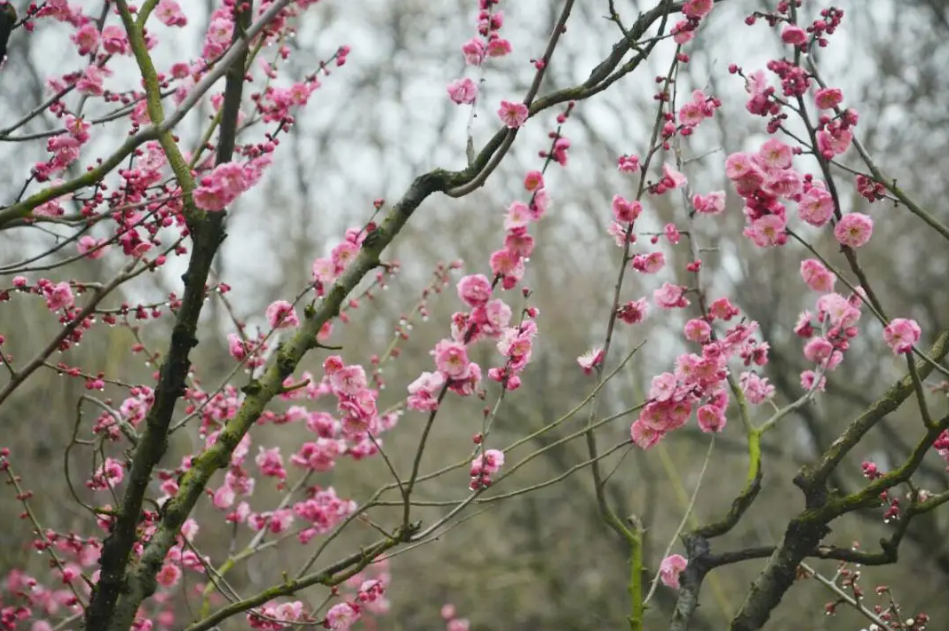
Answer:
(488, 43)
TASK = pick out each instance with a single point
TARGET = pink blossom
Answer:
(669, 173)
(817, 277)
(838, 309)
(474, 290)
(474, 51)
(114, 40)
(499, 47)
(534, 180)
(828, 98)
(462, 91)
(168, 575)
(697, 330)
(169, 13)
(670, 569)
(489, 463)
(590, 360)
(86, 38)
(833, 144)
(766, 231)
(711, 204)
(711, 419)
(87, 245)
(341, 616)
(270, 463)
(757, 389)
(854, 230)
(282, 315)
(633, 311)
(663, 387)
(648, 263)
(423, 391)
(318, 456)
(628, 164)
(697, 9)
(818, 349)
(513, 115)
(816, 206)
(901, 334)
(59, 296)
(349, 380)
(451, 358)
(794, 35)
(670, 296)
(644, 435)
(626, 211)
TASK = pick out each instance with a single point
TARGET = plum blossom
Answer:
(854, 230)
(282, 315)
(513, 115)
(590, 360)
(462, 91)
(817, 277)
(901, 334)
(670, 569)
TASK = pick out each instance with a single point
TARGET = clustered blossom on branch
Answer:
(147, 209)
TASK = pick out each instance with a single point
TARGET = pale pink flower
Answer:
(817, 277)
(711, 419)
(766, 231)
(901, 334)
(462, 91)
(86, 38)
(474, 290)
(169, 13)
(87, 245)
(270, 463)
(644, 434)
(114, 40)
(474, 51)
(487, 464)
(451, 358)
(711, 204)
(663, 387)
(518, 215)
(349, 380)
(590, 360)
(282, 315)
(818, 349)
(670, 296)
(816, 206)
(854, 230)
(834, 144)
(838, 309)
(670, 569)
(697, 330)
(757, 389)
(59, 296)
(513, 115)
